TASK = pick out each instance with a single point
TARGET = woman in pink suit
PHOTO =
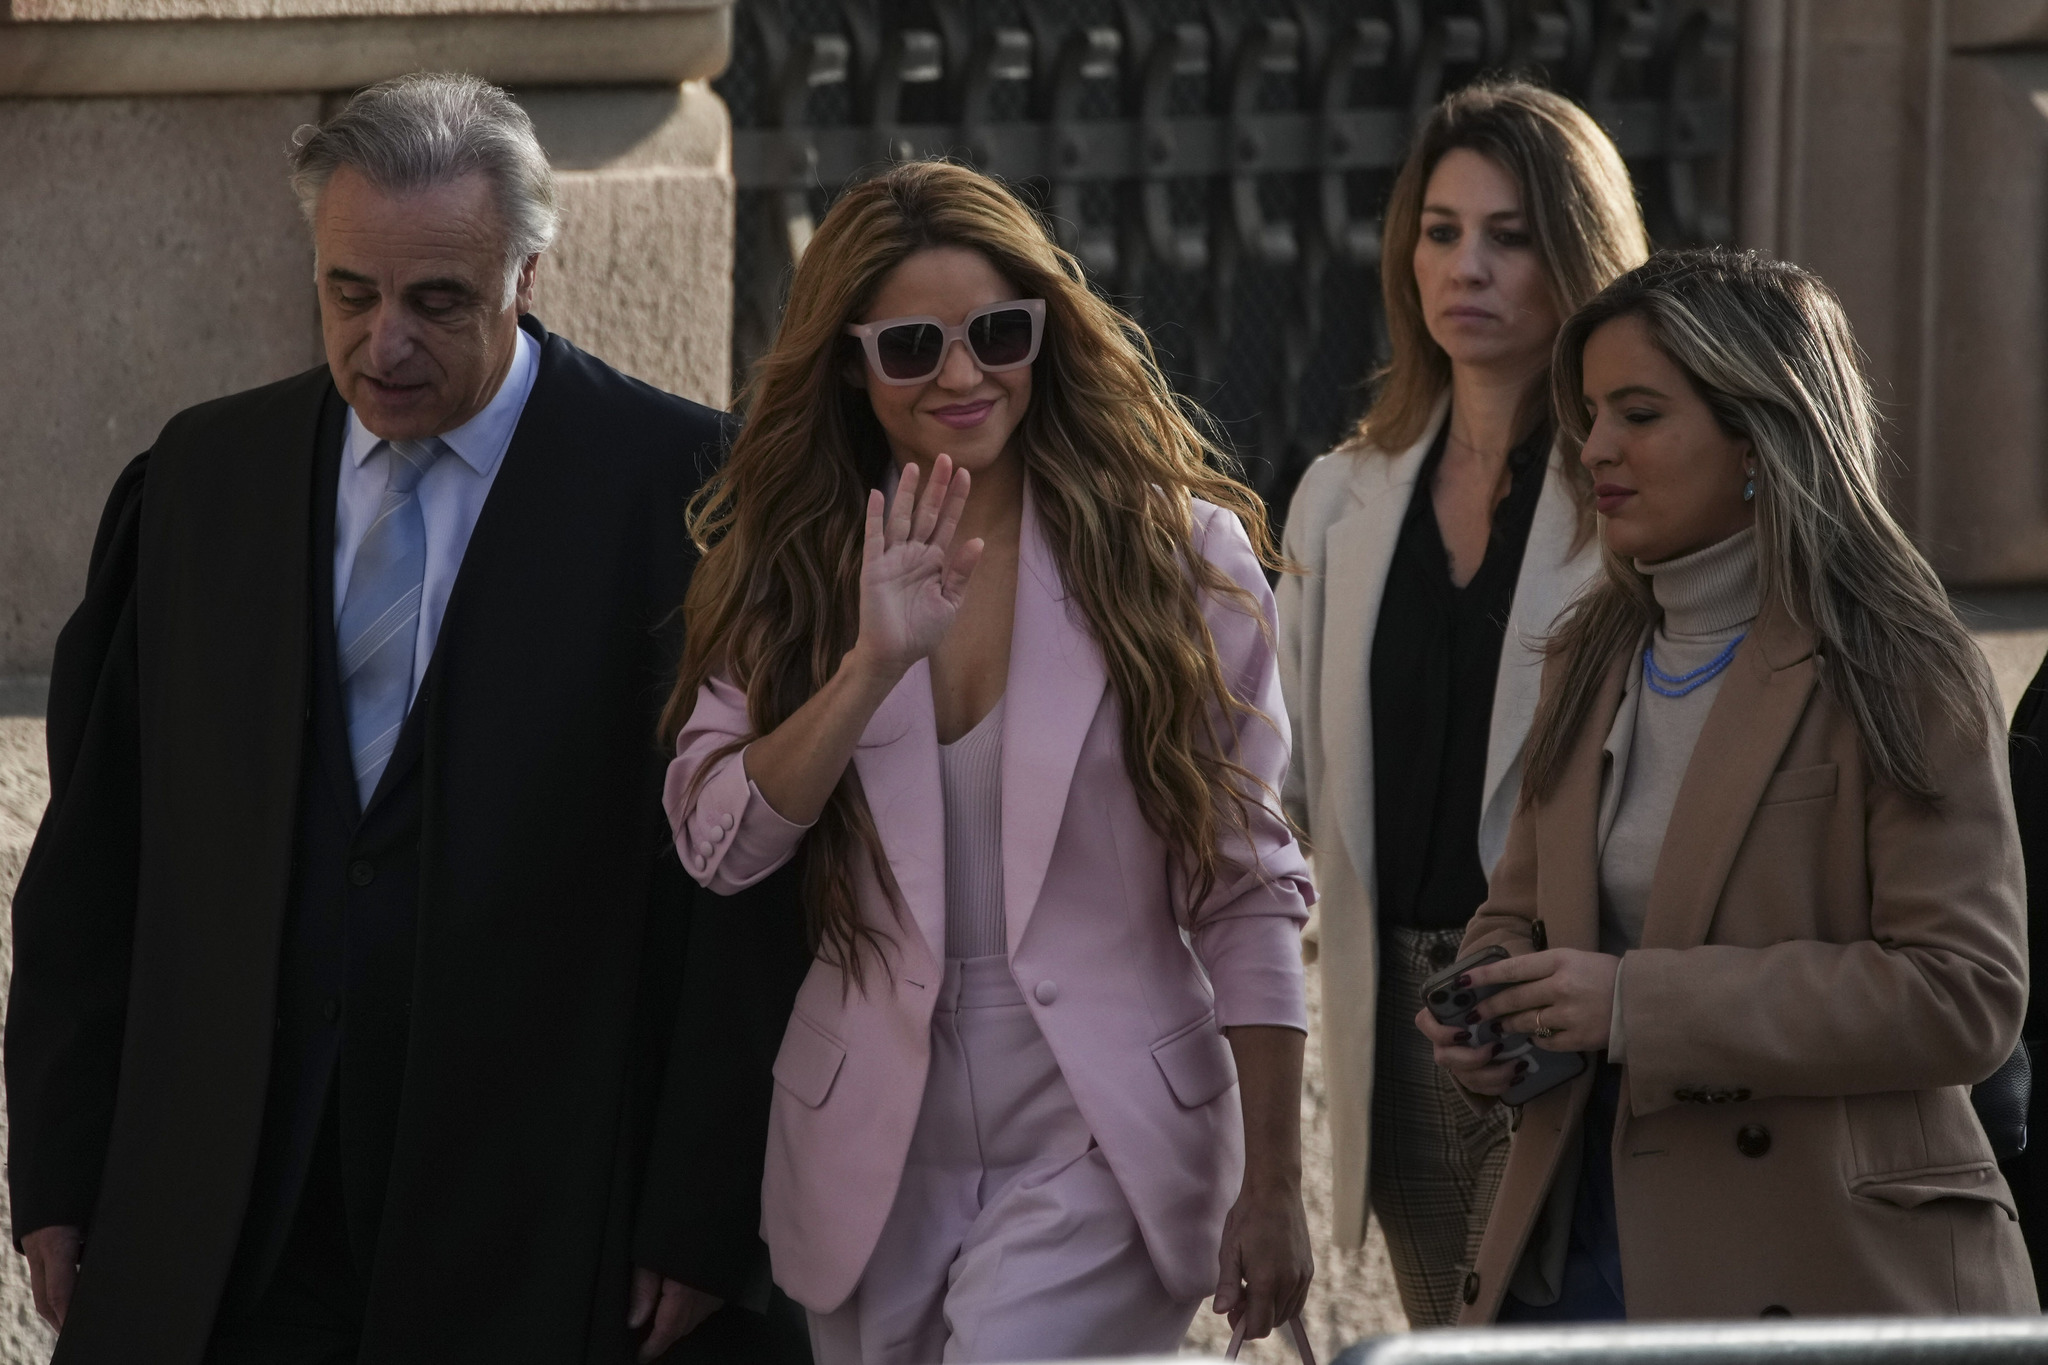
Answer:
(1040, 1092)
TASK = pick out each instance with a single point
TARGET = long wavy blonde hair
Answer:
(1769, 349)
(1113, 459)
(1577, 200)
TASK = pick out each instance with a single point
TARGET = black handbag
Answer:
(2001, 1101)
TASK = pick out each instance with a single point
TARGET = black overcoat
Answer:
(2028, 1172)
(579, 1095)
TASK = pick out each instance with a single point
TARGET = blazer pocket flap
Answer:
(1911, 1189)
(1196, 1063)
(809, 1061)
(1799, 784)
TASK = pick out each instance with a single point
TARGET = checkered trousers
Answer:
(1435, 1163)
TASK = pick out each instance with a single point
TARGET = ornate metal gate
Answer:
(1218, 165)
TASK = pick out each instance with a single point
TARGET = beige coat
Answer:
(1341, 527)
(1826, 968)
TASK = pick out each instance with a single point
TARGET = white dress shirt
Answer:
(451, 495)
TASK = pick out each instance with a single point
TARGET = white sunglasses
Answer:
(1002, 336)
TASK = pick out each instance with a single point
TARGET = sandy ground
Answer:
(24, 788)
(1354, 1292)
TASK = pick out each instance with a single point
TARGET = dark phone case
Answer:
(1547, 1070)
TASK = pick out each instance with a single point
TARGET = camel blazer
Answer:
(1342, 528)
(1826, 968)
(1131, 985)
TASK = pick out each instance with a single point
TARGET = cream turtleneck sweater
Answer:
(1709, 598)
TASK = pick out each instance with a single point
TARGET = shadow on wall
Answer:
(24, 696)
(583, 136)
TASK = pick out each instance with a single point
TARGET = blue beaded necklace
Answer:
(1684, 684)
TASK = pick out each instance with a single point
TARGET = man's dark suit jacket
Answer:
(586, 1052)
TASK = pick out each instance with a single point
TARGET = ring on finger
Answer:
(1540, 1031)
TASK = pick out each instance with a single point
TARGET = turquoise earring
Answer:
(1749, 489)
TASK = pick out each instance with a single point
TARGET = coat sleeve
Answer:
(2028, 751)
(700, 1203)
(727, 834)
(1933, 997)
(74, 909)
(1247, 930)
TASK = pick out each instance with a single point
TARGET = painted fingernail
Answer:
(1521, 1067)
(1465, 980)
(1473, 1017)
(1461, 1037)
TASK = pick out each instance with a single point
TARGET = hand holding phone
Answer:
(1450, 1003)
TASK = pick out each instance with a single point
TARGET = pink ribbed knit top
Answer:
(971, 774)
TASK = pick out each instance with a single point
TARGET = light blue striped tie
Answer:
(380, 619)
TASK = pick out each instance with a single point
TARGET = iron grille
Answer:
(1218, 165)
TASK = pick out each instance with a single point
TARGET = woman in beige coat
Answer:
(1766, 835)
(1441, 543)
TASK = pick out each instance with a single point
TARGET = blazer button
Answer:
(1045, 992)
(361, 873)
(1753, 1139)
(1471, 1290)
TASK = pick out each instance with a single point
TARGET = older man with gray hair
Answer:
(360, 1011)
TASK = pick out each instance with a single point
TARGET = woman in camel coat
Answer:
(1766, 836)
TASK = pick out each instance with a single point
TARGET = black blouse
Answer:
(1435, 654)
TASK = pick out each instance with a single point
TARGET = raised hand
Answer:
(911, 576)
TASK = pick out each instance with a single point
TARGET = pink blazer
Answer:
(1130, 985)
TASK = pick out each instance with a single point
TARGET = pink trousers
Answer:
(1009, 1239)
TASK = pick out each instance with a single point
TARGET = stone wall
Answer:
(156, 259)
(137, 304)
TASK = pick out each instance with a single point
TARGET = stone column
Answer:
(153, 257)
(1900, 149)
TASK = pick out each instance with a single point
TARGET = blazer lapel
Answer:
(1762, 696)
(898, 763)
(522, 475)
(1552, 575)
(1568, 875)
(1055, 686)
(1359, 551)
(1621, 742)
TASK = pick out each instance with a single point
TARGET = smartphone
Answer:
(1450, 1003)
